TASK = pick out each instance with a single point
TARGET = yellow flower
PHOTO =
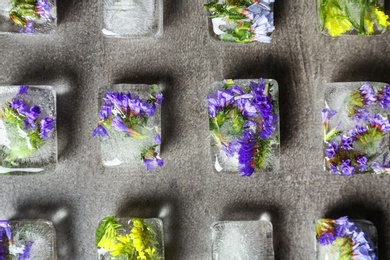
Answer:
(369, 24)
(336, 21)
(123, 245)
(108, 244)
(381, 17)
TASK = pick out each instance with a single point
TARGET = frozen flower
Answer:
(327, 114)
(100, 131)
(118, 124)
(4, 224)
(246, 154)
(362, 161)
(28, 27)
(381, 168)
(42, 8)
(16, 103)
(346, 168)
(361, 114)
(358, 131)
(22, 90)
(154, 162)
(106, 111)
(332, 149)
(383, 97)
(46, 126)
(380, 123)
(346, 143)
(334, 169)
(219, 100)
(326, 239)
(157, 139)
(30, 117)
(159, 98)
(26, 252)
(368, 94)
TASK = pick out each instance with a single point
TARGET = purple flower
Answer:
(28, 28)
(106, 111)
(332, 149)
(26, 253)
(219, 100)
(31, 116)
(6, 226)
(100, 131)
(22, 90)
(159, 98)
(116, 98)
(153, 163)
(362, 161)
(384, 167)
(326, 238)
(346, 143)
(46, 126)
(384, 97)
(135, 106)
(361, 114)
(231, 148)
(262, 21)
(263, 103)
(157, 139)
(339, 231)
(334, 169)
(16, 103)
(246, 154)
(359, 130)
(118, 124)
(368, 94)
(34, 113)
(42, 8)
(380, 123)
(147, 109)
(327, 114)
(342, 221)
(346, 168)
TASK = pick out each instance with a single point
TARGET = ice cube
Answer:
(132, 18)
(225, 139)
(44, 22)
(360, 235)
(341, 98)
(126, 226)
(242, 240)
(35, 238)
(19, 151)
(120, 149)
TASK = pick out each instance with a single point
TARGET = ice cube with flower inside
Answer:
(134, 120)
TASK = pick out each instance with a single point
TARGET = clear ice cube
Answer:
(118, 149)
(36, 237)
(127, 225)
(14, 142)
(221, 160)
(132, 18)
(330, 252)
(45, 24)
(242, 240)
(338, 97)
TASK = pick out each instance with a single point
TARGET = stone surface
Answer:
(185, 193)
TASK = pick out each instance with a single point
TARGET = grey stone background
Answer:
(186, 193)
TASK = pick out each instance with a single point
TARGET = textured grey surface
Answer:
(186, 193)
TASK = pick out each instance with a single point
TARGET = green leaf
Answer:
(108, 227)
